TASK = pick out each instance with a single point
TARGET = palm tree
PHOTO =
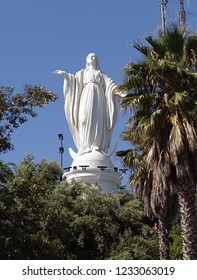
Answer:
(162, 94)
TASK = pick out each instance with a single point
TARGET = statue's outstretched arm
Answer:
(62, 73)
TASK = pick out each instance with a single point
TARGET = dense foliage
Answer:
(43, 218)
(15, 108)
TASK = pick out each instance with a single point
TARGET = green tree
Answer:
(175, 246)
(87, 220)
(95, 225)
(23, 202)
(162, 94)
(136, 239)
(14, 109)
(42, 217)
(6, 171)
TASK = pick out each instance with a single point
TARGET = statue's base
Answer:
(97, 168)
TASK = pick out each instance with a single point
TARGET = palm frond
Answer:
(143, 49)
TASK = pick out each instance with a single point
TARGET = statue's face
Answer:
(92, 59)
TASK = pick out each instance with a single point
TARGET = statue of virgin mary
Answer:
(91, 106)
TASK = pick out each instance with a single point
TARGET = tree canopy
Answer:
(44, 218)
(15, 109)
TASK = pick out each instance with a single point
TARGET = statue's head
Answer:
(92, 58)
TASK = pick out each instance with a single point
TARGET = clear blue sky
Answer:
(39, 36)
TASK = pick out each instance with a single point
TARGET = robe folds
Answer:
(91, 107)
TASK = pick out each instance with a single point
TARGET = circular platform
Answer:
(97, 168)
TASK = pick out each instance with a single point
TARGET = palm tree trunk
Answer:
(188, 214)
(164, 240)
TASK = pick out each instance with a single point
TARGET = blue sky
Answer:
(40, 36)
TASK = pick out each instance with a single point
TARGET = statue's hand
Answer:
(60, 72)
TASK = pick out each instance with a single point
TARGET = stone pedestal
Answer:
(95, 167)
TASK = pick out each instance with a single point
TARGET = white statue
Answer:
(91, 106)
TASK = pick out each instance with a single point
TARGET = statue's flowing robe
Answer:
(91, 108)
